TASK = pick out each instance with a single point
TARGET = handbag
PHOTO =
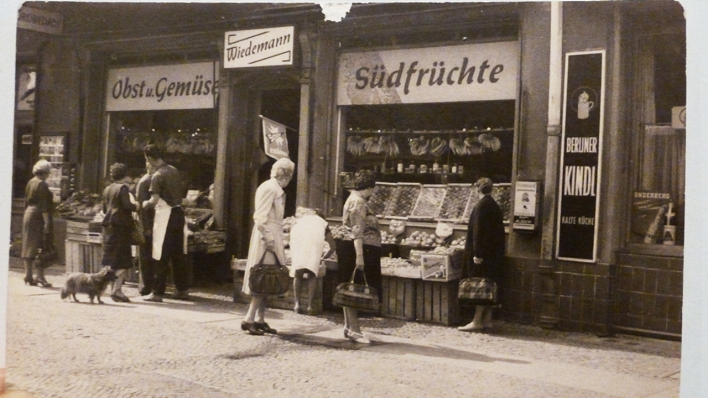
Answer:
(478, 291)
(137, 233)
(48, 254)
(271, 279)
(360, 297)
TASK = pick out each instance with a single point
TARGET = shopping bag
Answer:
(137, 233)
(47, 255)
(478, 291)
(271, 279)
(357, 296)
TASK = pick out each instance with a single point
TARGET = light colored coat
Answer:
(268, 225)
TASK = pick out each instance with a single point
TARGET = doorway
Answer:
(22, 159)
(283, 106)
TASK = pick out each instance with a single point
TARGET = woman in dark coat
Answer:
(37, 225)
(484, 249)
(117, 228)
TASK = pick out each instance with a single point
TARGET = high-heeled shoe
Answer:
(42, 282)
(30, 281)
(265, 328)
(251, 328)
(358, 338)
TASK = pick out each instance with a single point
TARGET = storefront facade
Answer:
(416, 92)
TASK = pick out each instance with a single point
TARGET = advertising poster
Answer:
(525, 205)
(581, 151)
(648, 214)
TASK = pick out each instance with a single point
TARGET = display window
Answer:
(188, 139)
(659, 197)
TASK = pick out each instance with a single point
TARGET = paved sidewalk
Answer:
(196, 348)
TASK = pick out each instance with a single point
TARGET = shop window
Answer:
(658, 201)
(188, 139)
(432, 143)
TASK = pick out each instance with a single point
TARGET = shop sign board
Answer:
(259, 47)
(678, 117)
(40, 20)
(526, 206)
(581, 154)
(459, 73)
(161, 87)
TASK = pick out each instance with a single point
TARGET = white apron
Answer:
(159, 229)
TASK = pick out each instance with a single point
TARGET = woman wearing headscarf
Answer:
(118, 225)
(363, 250)
(267, 234)
(37, 223)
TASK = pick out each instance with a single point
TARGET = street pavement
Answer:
(196, 349)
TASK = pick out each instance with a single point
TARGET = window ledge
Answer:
(653, 250)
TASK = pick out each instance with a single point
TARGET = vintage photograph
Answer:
(399, 199)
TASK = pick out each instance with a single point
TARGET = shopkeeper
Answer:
(168, 236)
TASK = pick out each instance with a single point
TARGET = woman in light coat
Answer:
(267, 235)
(37, 224)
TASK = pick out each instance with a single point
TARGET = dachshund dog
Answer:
(91, 284)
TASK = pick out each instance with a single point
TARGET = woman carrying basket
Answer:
(363, 251)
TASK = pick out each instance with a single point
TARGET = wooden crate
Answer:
(398, 298)
(83, 257)
(436, 302)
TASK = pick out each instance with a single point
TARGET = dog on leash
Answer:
(91, 284)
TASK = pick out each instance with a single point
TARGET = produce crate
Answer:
(441, 267)
(83, 230)
(83, 257)
(436, 302)
(381, 198)
(398, 298)
(471, 202)
(502, 195)
(429, 201)
(404, 199)
(454, 203)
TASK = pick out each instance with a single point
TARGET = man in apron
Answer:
(168, 239)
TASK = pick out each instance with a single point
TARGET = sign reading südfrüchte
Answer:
(469, 72)
(259, 47)
(581, 154)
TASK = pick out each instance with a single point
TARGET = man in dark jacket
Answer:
(484, 249)
(147, 216)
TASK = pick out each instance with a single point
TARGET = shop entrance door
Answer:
(283, 106)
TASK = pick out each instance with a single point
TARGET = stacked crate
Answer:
(83, 245)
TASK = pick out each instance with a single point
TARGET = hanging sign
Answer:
(581, 154)
(259, 47)
(275, 142)
(469, 72)
(181, 86)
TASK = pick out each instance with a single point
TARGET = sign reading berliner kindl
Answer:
(466, 72)
(259, 47)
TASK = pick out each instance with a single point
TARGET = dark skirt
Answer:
(32, 232)
(116, 247)
(346, 263)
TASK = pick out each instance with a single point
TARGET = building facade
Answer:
(577, 104)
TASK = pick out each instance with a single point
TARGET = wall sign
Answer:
(526, 206)
(40, 20)
(581, 154)
(470, 72)
(181, 86)
(259, 47)
(678, 117)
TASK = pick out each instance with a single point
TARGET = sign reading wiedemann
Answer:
(581, 154)
(259, 47)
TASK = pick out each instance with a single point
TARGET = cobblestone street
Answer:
(196, 349)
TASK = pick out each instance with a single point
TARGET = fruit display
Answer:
(387, 238)
(502, 195)
(454, 202)
(341, 232)
(394, 266)
(381, 197)
(429, 201)
(458, 243)
(403, 200)
(489, 142)
(419, 146)
(473, 199)
(80, 204)
(424, 239)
